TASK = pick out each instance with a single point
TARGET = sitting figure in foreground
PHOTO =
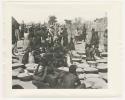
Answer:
(45, 77)
(39, 77)
(69, 80)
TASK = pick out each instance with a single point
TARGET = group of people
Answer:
(49, 48)
(92, 48)
(49, 77)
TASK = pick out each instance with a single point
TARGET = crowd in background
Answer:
(49, 43)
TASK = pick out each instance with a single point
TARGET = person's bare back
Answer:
(69, 80)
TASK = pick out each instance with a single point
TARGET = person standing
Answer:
(17, 34)
(71, 44)
(22, 29)
(65, 37)
(95, 38)
(84, 33)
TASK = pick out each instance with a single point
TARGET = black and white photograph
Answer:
(59, 47)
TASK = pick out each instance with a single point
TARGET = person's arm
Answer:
(36, 71)
(77, 81)
(40, 78)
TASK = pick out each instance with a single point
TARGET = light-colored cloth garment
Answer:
(26, 41)
(88, 37)
(26, 36)
(31, 58)
(26, 44)
(20, 43)
(17, 34)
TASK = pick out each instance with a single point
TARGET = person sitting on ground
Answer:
(45, 77)
(97, 53)
(87, 49)
(69, 80)
(92, 52)
(39, 77)
(51, 77)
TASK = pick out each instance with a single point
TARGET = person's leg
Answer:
(98, 53)
(40, 85)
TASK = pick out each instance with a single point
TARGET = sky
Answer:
(41, 12)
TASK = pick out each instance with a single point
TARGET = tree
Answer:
(69, 26)
(77, 22)
(52, 20)
(68, 22)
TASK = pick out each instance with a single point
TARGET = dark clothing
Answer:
(84, 33)
(51, 79)
(35, 43)
(95, 39)
(71, 45)
(40, 85)
(90, 52)
(68, 81)
(25, 58)
(39, 77)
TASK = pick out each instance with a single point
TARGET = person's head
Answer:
(72, 69)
